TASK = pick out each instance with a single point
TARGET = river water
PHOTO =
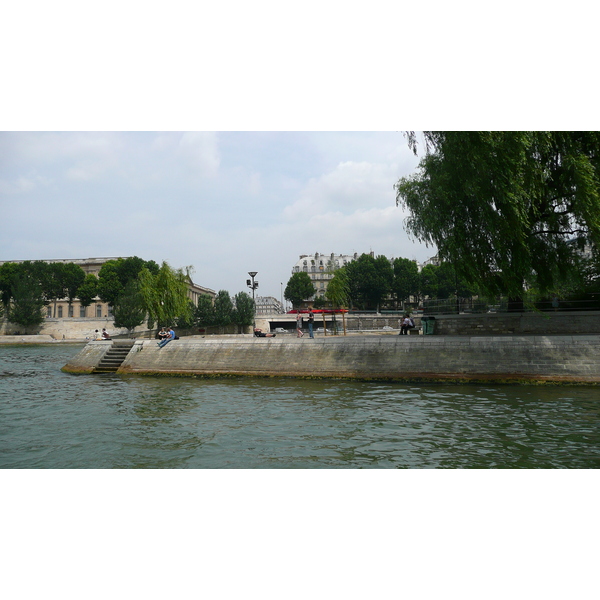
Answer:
(49, 419)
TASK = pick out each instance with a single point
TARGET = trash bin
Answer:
(428, 325)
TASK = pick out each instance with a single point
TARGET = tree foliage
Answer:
(428, 281)
(28, 302)
(243, 310)
(338, 292)
(223, 308)
(88, 290)
(204, 315)
(116, 274)
(369, 280)
(299, 287)
(406, 279)
(9, 273)
(128, 310)
(164, 295)
(506, 208)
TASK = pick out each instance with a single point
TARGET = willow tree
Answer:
(506, 208)
(164, 294)
(338, 292)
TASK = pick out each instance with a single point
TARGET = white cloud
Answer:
(349, 187)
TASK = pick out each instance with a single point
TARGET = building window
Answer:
(98, 311)
(49, 312)
(60, 312)
(82, 312)
(71, 310)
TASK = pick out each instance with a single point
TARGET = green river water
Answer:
(53, 420)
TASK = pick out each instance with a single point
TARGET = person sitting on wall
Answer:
(105, 335)
(167, 339)
(407, 324)
(259, 333)
(162, 334)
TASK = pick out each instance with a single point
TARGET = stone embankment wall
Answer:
(541, 323)
(561, 359)
(64, 329)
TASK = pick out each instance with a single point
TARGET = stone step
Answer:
(113, 358)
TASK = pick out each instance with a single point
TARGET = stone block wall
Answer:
(543, 323)
(570, 359)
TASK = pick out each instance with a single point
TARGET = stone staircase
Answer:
(114, 357)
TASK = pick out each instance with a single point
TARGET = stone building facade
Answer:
(321, 268)
(267, 305)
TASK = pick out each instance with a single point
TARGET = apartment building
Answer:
(321, 268)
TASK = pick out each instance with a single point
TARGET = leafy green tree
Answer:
(187, 320)
(204, 315)
(319, 302)
(506, 207)
(243, 310)
(109, 285)
(73, 277)
(450, 283)
(52, 279)
(164, 295)
(116, 274)
(299, 287)
(128, 310)
(8, 275)
(369, 280)
(28, 302)
(406, 279)
(428, 283)
(223, 308)
(88, 290)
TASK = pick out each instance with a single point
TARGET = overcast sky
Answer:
(225, 203)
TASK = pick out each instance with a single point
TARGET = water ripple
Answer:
(52, 420)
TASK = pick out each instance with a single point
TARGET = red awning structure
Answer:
(317, 311)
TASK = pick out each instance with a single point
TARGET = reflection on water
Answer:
(49, 419)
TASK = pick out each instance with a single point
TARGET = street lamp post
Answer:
(252, 285)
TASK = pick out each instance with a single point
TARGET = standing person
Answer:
(299, 325)
(167, 339)
(311, 322)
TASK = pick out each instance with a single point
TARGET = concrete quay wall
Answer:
(536, 359)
